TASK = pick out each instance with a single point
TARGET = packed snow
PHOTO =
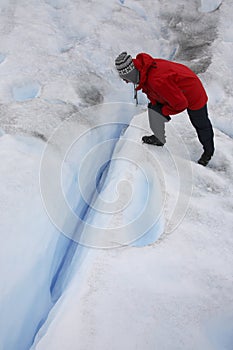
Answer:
(108, 243)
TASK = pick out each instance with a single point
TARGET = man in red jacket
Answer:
(171, 88)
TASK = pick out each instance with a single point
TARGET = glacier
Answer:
(101, 235)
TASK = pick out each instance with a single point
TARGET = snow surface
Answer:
(75, 180)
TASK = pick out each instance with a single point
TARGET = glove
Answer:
(158, 108)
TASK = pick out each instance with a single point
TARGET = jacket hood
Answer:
(143, 62)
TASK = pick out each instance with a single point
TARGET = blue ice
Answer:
(220, 332)
(2, 57)
(26, 91)
(38, 291)
(209, 5)
(56, 4)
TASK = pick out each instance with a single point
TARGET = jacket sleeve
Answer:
(176, 101)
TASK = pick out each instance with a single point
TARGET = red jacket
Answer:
(172, 84)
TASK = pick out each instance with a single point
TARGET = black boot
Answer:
(152, 140)
(204, 160)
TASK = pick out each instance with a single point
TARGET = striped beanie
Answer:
(126, 69)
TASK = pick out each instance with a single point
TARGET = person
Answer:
(171, 88)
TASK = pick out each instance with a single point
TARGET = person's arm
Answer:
(176, 101)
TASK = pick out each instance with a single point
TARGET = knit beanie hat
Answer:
(126, 69)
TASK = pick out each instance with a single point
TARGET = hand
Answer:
(158, 108)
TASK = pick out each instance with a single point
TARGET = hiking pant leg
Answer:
(203, 126)
(157, 124)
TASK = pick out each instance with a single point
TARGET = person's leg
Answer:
(203, 126)
(157, 125)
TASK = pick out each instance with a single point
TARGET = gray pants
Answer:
(157, 124)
